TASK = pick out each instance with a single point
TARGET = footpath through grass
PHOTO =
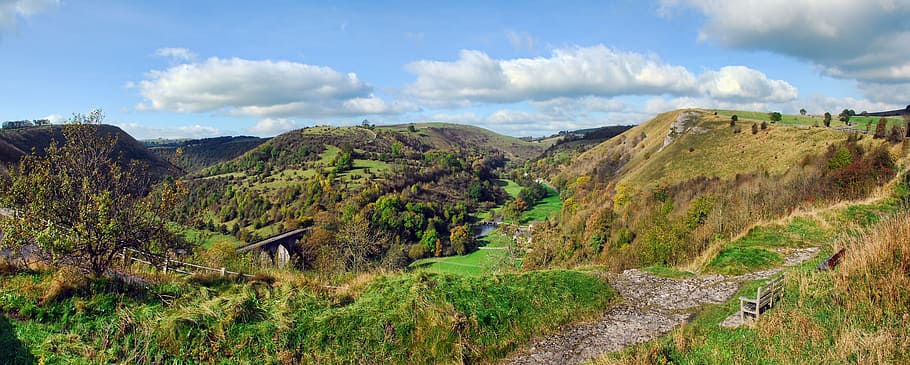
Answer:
(397, 319)
(856, 313)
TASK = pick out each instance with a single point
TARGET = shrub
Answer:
(764, 125)
(733, 120)
(754, 128)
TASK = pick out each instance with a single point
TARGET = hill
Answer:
(667, 189)
(459, 136)
(14, 143)
(417, 185)
(201, 153)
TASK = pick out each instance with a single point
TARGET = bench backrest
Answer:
(770, 290)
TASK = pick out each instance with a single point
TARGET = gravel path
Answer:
(652, 306)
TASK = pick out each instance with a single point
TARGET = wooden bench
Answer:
(765, 298)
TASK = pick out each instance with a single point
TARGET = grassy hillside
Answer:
(459, 136)
(14, 143)
(201, 153)
(668, 189)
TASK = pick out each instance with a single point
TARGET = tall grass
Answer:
(385, 318)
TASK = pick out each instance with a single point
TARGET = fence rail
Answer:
(173, 265)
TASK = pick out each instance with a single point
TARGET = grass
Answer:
(399, 318)
(543, 209)
(475, 263)
(713, 150)
(510, 187)
(206, 238)
(754, 250)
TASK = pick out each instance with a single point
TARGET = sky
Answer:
(195, 69)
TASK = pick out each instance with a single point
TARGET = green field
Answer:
(475, 263)
(543, 209)
(858, 122)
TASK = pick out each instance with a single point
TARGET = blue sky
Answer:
(207, 68)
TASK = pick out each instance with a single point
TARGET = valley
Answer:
(576, 247)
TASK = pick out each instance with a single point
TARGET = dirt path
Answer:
(652, 306)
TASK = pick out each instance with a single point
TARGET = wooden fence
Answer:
(129, 256)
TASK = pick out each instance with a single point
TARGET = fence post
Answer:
(222, 271)
(165, 265)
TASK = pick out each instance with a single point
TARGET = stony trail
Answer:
(651, 307)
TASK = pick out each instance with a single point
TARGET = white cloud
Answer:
(12, 10)
(140, 131)
(658, 105)
(272, 126)
(740, 83)
(521, 40)
(862, 40)
(55, 118)
(176, 54)
(598, 70)
(820, 104)
(266, 88)
(580, 72)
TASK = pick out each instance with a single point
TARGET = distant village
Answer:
(12, 124)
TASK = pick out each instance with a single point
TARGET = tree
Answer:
(462, 239)
(356, 243)
(844, 116)
(881, 128)
(802, 112)
(827, 120)
(82, 204)
(775, 116)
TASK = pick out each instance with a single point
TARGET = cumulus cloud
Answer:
(12, 10)
(272, 126)
(140, 131)
(862, 40)
(176, 54)
(743, 84)
(271, 89)
(580, 72)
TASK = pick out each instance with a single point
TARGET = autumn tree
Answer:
(461, 239)
(356, 243)
(881, 128)
(81, 203)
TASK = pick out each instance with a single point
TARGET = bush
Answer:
(733, 120)
(754, 128)
(764, 125)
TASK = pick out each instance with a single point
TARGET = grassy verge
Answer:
(403, 318)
